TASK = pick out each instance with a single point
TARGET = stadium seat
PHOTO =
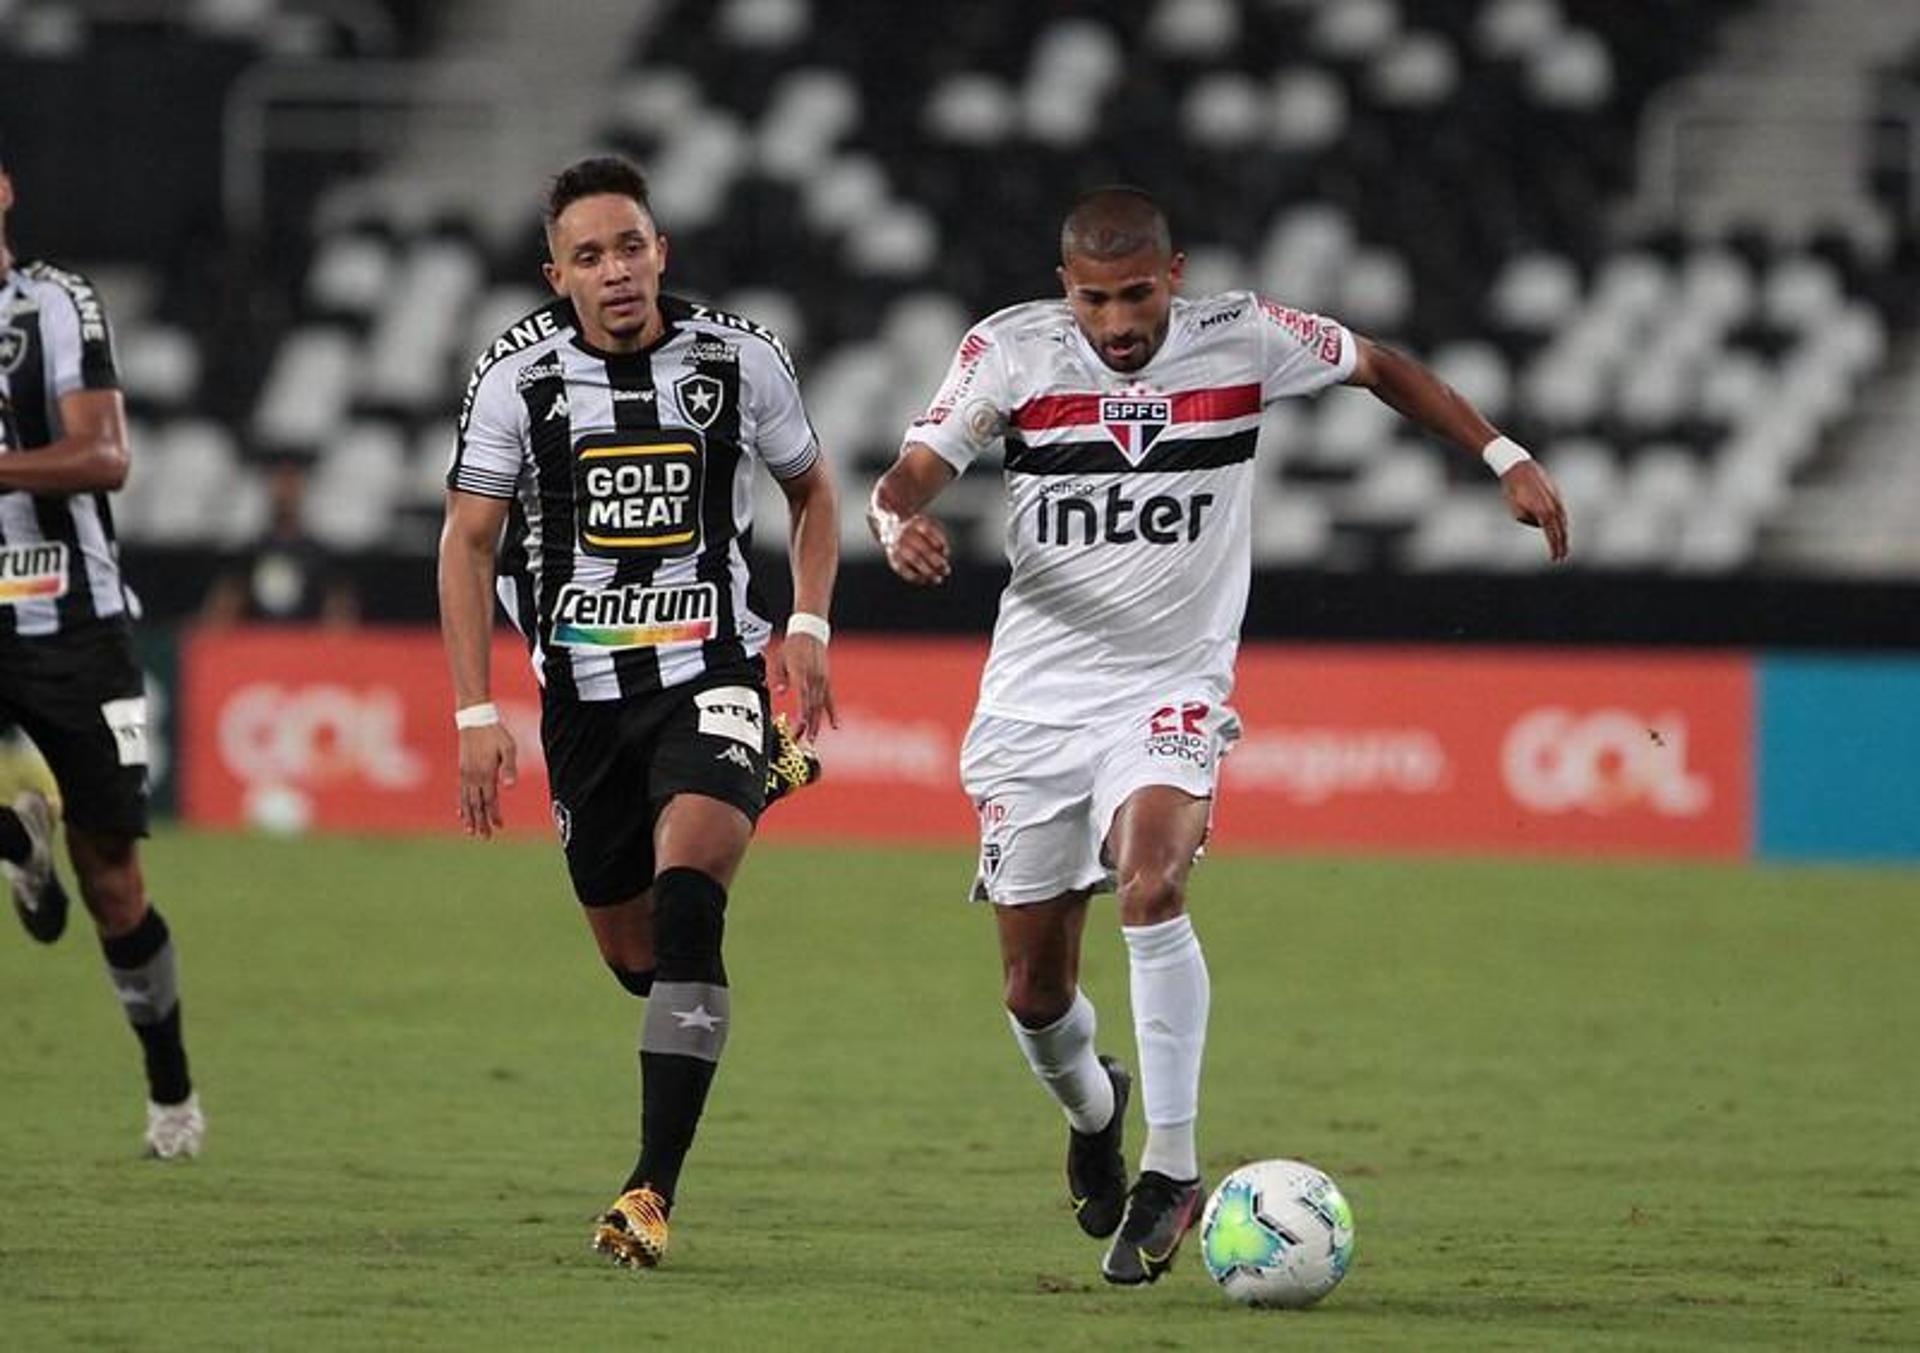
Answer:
(869, 190)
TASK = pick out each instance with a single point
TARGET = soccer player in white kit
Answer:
(1129, 418)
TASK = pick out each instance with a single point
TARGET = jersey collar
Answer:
(668, 332)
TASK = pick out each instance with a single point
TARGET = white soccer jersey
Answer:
(631, 477)
(1129, 494)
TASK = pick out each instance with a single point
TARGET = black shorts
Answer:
(83, 701)
(613, 764)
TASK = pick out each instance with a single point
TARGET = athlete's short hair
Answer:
(1116, 221)
(595, 175)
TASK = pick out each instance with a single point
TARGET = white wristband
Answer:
(1503, 453)
(886, 524)
(813, 626)
(477, 716)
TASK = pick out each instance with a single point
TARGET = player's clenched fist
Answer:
(919, 552)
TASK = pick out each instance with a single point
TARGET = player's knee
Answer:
(1037, 996)
(637, 981)
(1151, 895)
(114, 897)
(689, 921)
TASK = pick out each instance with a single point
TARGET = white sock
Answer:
(1062, 1056)
(1170, 998)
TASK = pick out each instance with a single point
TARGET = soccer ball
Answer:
(1277, 1233)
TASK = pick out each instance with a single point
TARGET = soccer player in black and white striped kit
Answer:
(602, 486)
(67, 673)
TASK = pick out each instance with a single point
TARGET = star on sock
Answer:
(699, 1018)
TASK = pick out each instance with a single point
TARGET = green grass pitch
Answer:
(1575, 1106)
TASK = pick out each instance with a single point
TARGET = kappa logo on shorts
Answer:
(738, 756)
(563, 823)
(732, 712)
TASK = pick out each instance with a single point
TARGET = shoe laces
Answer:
(1152, 1197)
(641, 1208)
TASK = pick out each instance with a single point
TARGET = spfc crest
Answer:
(13, 349)
(701, 397)
(1135, 422)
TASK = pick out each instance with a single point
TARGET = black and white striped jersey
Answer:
(59, 566)
(631, 480)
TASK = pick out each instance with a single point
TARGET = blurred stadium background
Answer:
(1671, 245)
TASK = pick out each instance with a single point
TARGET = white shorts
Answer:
(1047, 795)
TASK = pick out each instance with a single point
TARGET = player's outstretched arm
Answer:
(1415, 393)
(915, 544)
(468, 542)
(814, 545)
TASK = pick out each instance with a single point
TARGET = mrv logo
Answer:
(1073, 514)
(634, 616)
(639, 496)
(1135, 422)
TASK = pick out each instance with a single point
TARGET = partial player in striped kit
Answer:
(1129, 418)
(67, 673)
(603, 485)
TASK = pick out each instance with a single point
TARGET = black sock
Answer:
(142, 968)
(15, 844)
(686, 1026)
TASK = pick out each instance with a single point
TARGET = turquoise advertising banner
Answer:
(1839, 758)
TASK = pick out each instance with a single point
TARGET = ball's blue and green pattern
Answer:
(1277, 1233)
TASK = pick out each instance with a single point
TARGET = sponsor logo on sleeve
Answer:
(1320, 336)
(965, 367)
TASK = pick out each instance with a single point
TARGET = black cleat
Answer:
(38, 899)
(1160, 1212)
(1096, 1171)
(790, 764)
